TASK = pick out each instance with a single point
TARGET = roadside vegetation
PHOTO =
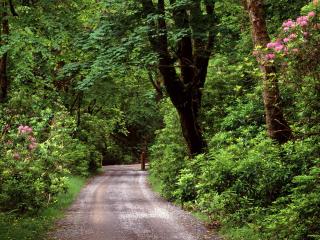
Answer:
(29, 227)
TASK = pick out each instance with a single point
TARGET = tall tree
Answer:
(195, 22)
(4, 32)
(6, 6)
(277, 126)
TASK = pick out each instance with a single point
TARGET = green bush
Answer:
(38, 149)
(168, 152)
(29, 177)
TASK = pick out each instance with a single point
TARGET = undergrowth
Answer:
(31, 227)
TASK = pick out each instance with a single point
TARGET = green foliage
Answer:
(168, 152)
(33, 164)
(15, 227)
(256, 188)
(80, 115)
(80, 73)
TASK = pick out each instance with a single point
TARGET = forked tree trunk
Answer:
(277, 126)
(192, 53)
(4, 30)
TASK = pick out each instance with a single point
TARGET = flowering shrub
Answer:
(28, 179)
(296, 43)
(35, 158)
(294, 34)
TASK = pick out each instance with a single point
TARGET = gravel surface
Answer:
(119, 205)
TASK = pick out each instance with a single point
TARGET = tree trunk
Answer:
(277, 127)
(4, 30)
(193, 51)
(143, 155)
(191, 130)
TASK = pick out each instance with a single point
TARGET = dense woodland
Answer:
(221, 96)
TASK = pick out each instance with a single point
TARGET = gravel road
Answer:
(119, 205)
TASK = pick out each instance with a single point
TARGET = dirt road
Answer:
(119, 205)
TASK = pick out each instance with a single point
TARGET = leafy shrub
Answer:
(37, 151)
(29, 179)
(168, 152)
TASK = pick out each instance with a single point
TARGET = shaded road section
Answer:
(119, 205)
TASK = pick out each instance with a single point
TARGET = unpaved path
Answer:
(119, 205)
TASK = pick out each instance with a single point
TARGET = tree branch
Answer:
(184, 44)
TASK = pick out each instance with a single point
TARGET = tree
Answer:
(4, 31)
(277, 126)
(192, 50)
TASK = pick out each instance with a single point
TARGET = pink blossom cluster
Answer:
(24, 129)
(33, 143)
(270, 56)
(301, 21)
(288, 24)
(277, 46)
(280, 45)
(28, 130)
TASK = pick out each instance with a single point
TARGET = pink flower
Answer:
(311, 14)
(271, 45)
(302, 21)
(32, 139)
(288, 24)
(286, 40)
(295, 50)
(286, 29)
(24, 129)
(293, 36)
(270, 56)
(16, 156)
(279, 48)
(32, 146)
(20, 129)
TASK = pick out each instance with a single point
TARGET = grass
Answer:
(13, 227)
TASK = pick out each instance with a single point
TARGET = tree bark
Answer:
(193, 51)
(4, 30)
(277, 126)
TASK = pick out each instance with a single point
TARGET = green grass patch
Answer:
(13, 227)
